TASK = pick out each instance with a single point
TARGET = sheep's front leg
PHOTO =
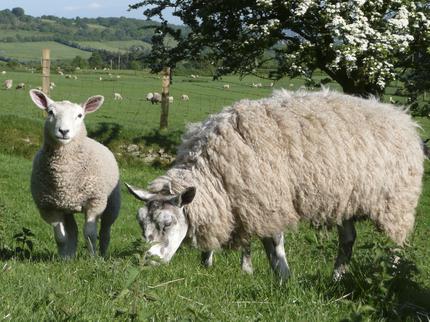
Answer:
(347, 237)
(245, 261)
(65, 231)
(275, 252)
(207, 258)
(90, 227)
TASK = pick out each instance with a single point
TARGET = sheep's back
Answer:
(321, 156)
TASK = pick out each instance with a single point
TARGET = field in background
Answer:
(121, 46)
(36, 285)
(30, 51)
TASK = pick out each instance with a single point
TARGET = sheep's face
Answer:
(64, 119)
(163, 221)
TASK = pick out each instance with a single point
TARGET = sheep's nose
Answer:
(64, 132)
(150, 238)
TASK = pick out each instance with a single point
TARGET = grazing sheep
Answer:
(170, 99)
(100, 78)
(20, 86)
(155, 97)
(117, 96)
(3, 72)
(185, 97)
(261, 166)
(118, 76)
(193, 76)
(8, 84)
(226, 86)
(75, 77)
(60, 73)
(73, 173)
(52, 84)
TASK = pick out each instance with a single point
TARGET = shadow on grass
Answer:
(376, 288)
(36, 257)
(105, 132)
(168, 140)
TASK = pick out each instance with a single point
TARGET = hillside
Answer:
(22, 35)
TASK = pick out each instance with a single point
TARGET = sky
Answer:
(81, 8)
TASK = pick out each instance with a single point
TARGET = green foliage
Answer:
(80, 62)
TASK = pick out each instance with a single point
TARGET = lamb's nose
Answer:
(64, 132)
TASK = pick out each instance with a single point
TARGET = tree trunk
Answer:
(165, 99)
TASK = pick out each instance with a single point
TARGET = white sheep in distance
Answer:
(3, 72)
(261, 166)
(8, 84)
(171, 99)
(185, 97)
(154, 97)
(117, 96)
(20, 86)
(73, 173)
(226, 86)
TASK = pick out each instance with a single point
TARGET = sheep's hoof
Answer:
(339, 273)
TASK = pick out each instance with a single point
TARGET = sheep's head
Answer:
(64, 119)
(163, 221)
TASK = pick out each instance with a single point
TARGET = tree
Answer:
(80, 62)
(95, 60)
(19, 12)
(357, 43)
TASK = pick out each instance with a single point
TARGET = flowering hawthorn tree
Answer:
(357, 43)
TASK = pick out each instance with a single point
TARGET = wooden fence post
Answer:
(165, 98)
(46, 67)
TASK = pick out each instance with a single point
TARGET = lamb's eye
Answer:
(79, 115)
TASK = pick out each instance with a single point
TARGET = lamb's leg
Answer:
(93, 213)
(108, 218)
(245, 261)
(207, 258)
(275, 251)
(347, 236)
(65, 231)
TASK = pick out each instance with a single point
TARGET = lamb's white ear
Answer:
(40, 99)
(139, 193)
(93, 103)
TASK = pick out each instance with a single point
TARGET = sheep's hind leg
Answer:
(65, 232)
(108, 218)
(245, 261)
(347, 237)
(275, 252)
(207, 258)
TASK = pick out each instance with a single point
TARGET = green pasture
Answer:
(121, 46)
(31, 51)
(37, 286)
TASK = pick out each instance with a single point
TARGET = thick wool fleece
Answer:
(261, 166)
(73, 176)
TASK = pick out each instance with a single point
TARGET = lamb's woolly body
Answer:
(261, 166)
(71, 176)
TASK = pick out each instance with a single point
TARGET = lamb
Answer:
(73, 173)
(185, 97)
(170, 99)
(117, 96)
(3, 72)
(261, 166)
(20, 86)
(8, 84)
(226, 86)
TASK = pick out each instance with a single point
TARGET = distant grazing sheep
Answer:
(226, 86)
(100, 78)
(73, 173)
(154, 97)
(193, 76)
(20, 86)
(170, 99)
(185, 97)
(117, 96)
(3, 72)
(261, 166)
(8, 84)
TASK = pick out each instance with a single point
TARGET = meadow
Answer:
(30, 51)
(121, 46)
(37, 285)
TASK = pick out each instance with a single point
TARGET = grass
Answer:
(36, 285)
(32, 51)
(115, 46)
(23, 33)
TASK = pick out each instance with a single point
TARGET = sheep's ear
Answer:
(40, 99)
(139, 193)
(93, 103)
(186, 196)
